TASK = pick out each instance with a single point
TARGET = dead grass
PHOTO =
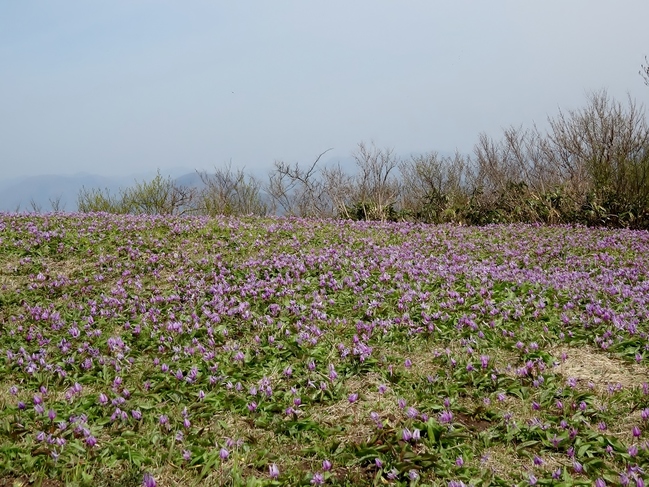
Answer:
(505, 462)
(357, 415)
(588, 365)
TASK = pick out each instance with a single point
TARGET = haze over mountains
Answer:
(41, 193)
(48, 192)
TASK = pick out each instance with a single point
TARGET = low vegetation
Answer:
(591, 167)
(183, 350)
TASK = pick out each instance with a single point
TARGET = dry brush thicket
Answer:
(590, 167)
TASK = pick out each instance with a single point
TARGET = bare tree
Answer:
(340, 188)
(299, 191)
(433, 187)
(644, 71)
(376, 183)
(603, 150)
(159, 196)
(228, 192)
(35, 206)
(55, 203)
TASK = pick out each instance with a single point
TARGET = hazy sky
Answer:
(126, 86)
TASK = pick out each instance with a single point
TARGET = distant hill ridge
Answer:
(39, 192)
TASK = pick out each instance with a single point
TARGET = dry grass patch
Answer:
(68, 267)
(356, 415)
(507, 463)
(588, 365)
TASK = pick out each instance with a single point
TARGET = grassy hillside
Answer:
(184, 351)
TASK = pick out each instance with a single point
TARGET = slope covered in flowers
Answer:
(180, 351)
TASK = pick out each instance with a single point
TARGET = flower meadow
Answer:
(160, 351)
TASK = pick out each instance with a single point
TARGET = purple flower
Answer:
(446, 417)
(636, 432)
(273, 471)
(633, 450)
(484, 361)
(326, 465)
(378, 463)
(413, 475)
(406, 434)
(532, 479)
(353, 398)
(224, 454)
(333, 375)
(600, 482)
(148, 481)
(318, 479)
(459, 461)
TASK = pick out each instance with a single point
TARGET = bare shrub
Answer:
(300, 191)
(340, 188)
(376, 186)
(55, 203)
(433, 188)
(96, 200)
(603, 153)
(644, 71)
(228, 192)
(516, 179)
(160, 196)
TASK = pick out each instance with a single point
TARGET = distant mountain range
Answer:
(43, 193)
(46, 193)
